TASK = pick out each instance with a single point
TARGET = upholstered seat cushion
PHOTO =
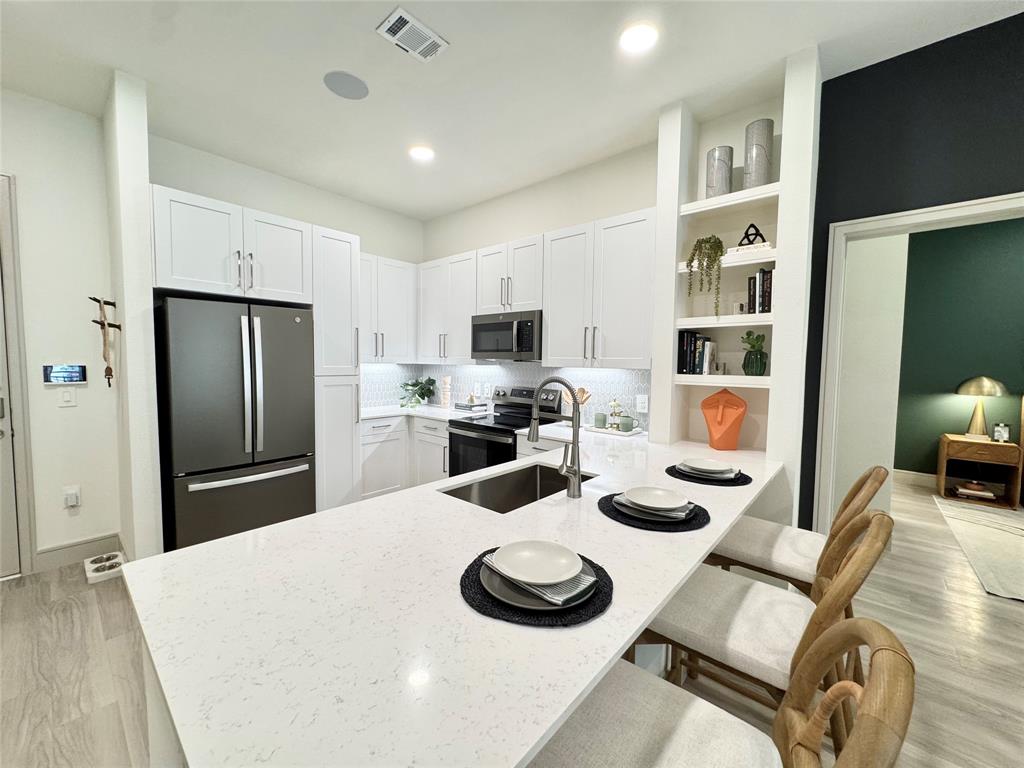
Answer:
(635, 719)
(781, 549)
(749, 625)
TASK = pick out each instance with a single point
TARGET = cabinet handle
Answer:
(508, 291)
(382, 343)
(359, 399)
(380, 426)
(375, 344)
(585, 329)
(357, 346)
(502, 279)
(439, 345)
(444, 338)
(444, 458)
(252, 277)
(432, 429)
(238, 264)
(593, 343)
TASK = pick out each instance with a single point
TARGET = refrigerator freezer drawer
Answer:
(223, 503)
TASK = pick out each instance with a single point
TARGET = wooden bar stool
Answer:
(633, 718)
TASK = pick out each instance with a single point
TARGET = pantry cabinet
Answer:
(336, 302)
(447, 293)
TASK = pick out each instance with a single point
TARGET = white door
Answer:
(457, 342)
(491, 276)
(10, 561)
(623, 268)
(369, 333)
(384, 463)
(396, 310)
(337, 440)
(568, 284)
(430, 457)
(197, 243)
(279, 256)
(525, 287)
(433, 310)
(336, 311)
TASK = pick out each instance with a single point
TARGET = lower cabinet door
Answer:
(385, 459)
(430, 457)
(337, 440)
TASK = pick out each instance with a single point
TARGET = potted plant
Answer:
(755, 361)
(706, 254)
(417, 391)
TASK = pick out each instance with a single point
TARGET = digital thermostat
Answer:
(64, 374)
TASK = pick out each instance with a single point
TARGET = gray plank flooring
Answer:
(71, 660)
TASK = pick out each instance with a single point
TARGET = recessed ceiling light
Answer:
(638, 38)
(421, 153)
(346, 85)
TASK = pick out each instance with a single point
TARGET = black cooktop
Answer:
(512, 406)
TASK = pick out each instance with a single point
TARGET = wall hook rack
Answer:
(108, 372)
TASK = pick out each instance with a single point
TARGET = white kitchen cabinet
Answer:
(447, 305)
(336, 302)
(623, 270)
(433, 310)
(337, 441)
(569, 288)
(279, 252)
(510, 277)
(396, 310)
(492, 274)
(384, 460)
(197, 243)
(430, 457)
(369, 335)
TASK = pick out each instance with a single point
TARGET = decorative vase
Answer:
(724, 412)
(757, 154)
(718, 177)
(755, 363)
(410, 401)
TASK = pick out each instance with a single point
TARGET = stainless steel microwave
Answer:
(507, 336)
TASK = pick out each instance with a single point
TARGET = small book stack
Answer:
(759, 292)
(972, 491)
(697, 353)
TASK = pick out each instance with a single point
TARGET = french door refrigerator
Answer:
(235, 388)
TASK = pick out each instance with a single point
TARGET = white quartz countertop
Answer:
(342, 639)
(435, 412)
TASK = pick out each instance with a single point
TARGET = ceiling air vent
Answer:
(411, 35)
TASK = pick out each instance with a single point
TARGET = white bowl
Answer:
(652, 497)
(537, 562)
(706, 466)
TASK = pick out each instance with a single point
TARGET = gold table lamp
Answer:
(979, 387)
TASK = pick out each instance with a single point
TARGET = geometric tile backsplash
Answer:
(381, 383)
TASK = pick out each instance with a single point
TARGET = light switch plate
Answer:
(72, 496)
(641, 403)
(67, 397)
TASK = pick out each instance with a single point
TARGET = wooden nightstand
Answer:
(960, 448)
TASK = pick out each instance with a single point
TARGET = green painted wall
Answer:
(964, 317)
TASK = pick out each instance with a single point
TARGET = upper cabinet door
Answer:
(568, 284)
(336, 311)
(524, 289)
(369, 333)
(396, 310)
(491, 279)
(462, 281)
(623, 271)
(197, 243)
(433, 309)
(279, 258)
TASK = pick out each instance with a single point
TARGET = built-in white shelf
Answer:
(762, 194)
(746, 259)
(725, 321)
(713, 380)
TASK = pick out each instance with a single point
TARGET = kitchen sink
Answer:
(511, 490)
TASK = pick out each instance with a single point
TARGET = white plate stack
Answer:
(709, 468)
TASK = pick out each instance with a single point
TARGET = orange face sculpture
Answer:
(724, 412)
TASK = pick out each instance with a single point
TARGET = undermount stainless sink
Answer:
(511, 490)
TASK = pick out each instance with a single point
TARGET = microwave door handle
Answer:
(246, 388)
(515, 335)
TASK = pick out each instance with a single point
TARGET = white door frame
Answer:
(17, 374)
(840, 234)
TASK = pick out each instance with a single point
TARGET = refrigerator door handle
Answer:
(258, 336)
(193, 487)
(246, 387)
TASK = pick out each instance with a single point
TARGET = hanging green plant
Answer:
(707, 256)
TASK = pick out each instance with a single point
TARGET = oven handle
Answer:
(481, 436)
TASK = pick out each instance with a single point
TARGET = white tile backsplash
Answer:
(380, 384)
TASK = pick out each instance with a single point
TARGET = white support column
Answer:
(798, 182)
(126, 129)
(677, 135)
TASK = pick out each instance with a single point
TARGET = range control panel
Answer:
(550, 399)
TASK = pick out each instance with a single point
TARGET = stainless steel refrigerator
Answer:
(235, 389)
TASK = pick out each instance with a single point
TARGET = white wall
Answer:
(620, 184)
(381, 231)
(56, 156)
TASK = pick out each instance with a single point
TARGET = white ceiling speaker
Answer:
(411, 35)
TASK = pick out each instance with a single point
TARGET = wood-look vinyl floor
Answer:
(71, 659)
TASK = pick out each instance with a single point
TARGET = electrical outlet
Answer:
(72, 496)
(67, 398)
(641, 403)
(476, 389)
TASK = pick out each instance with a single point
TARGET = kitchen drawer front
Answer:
(525, 448)
(429, 427)
(1002, 453)
(378, 427)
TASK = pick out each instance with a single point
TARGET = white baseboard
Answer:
(919, 479)
(55, 557)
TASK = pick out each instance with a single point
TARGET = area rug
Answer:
(993, 540)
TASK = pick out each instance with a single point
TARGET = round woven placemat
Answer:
(740, 479)
(481, 601)
(698, 520)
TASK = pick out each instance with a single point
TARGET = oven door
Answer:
(469, 451)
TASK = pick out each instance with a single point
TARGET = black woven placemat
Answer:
(481, 601)
(698, 520)
(740, 479)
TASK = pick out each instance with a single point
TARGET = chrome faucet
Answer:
(570, 467)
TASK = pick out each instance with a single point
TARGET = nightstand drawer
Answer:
(1000, 453)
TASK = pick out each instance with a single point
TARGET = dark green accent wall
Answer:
(964, 317)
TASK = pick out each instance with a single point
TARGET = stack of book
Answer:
(969, 492)
(759, 292)
(697, 353)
